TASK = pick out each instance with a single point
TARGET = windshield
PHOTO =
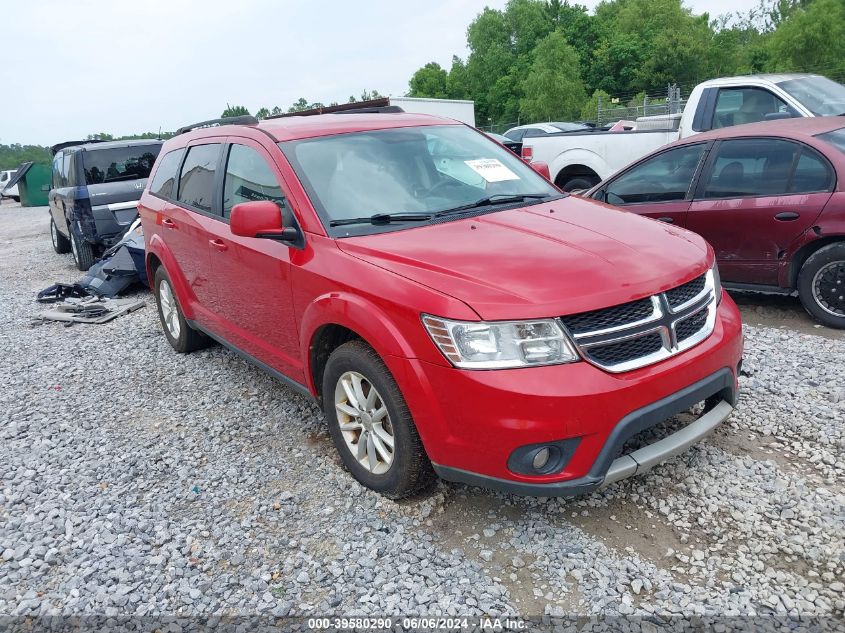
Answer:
(119, 163)
(819, 95)
(413, 170)
(835, 138)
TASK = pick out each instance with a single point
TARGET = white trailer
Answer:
(460, 110)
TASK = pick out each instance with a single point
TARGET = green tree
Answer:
(262, 113)
(430, 81)
(231, 111)
(589, 111)
(810, 39)
(553, 88)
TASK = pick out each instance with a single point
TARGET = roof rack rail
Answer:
(373, 106)
(245, 119)
(54, 149)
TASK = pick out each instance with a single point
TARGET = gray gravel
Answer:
(139, 481)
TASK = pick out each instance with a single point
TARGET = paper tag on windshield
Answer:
(491, 169)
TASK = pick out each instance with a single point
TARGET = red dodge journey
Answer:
(454, 313)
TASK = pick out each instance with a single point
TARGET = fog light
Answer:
(541, 458)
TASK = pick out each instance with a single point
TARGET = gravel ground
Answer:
(137, 481)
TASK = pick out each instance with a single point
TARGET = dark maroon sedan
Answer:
(769, 197)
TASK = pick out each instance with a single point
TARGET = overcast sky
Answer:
(122, 67)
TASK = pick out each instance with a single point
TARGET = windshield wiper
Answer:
(383, 218)
(489, 200)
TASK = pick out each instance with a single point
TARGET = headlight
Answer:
(500, 344)
(717, 282)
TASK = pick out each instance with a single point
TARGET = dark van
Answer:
(95, 192)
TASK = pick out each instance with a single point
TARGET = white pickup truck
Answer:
(581, 159)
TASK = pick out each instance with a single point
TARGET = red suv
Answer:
(453, 312)
(769, 197)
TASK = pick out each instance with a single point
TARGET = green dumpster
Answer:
(33, 180)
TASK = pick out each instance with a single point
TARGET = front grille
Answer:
(690, 290)
(686, 328)
(626, 351)
(616, 316)
(638, 333)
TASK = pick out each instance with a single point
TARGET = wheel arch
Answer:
(158, 255)
(577, 162)
(803, 254)
(335, 318)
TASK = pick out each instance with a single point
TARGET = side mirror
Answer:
(542, 169)
(600, 195)
(261, 219)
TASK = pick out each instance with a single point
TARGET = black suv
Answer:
(95, 192)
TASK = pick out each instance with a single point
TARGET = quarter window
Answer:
(164, 181)
(812, 173)
(248, 178)
(196, 183)
(735, 106)
(665, 178)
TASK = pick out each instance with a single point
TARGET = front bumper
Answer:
(606, 470)
(471, 422)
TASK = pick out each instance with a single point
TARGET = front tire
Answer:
(371, 425)
(82, 251)
(61, 244)
(821, 285)
(181, 336)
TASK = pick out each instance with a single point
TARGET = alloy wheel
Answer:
(169, 310)
(829, 288)
(364, 422)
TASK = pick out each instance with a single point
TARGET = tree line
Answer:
(551, 60)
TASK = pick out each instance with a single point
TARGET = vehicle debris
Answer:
(91, 309)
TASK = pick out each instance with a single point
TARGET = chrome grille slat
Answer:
(647, 330)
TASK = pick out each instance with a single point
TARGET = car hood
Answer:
(544, 260)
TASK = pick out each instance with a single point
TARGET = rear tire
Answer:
(82, 251)
(181, 336)
(61, 244)
(579, 182)
(408, 470)
(821, 285)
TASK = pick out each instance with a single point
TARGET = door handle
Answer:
(168, 223)
(666, 219)
(787, 216)
(220, 245)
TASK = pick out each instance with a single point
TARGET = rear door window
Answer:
(117, 164)
(751, 167)
(196, 182)
(664, 178)
(164, 181)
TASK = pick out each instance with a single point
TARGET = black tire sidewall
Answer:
(816, 261)
(83, 254)
(354, 357)
(61, 244)
(580, 182)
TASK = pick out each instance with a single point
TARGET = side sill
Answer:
(289, 382)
